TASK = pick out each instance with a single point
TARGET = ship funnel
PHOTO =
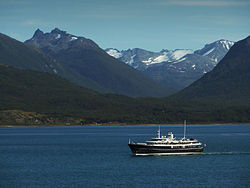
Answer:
(170, 136)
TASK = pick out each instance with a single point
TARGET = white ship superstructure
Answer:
(167, 145)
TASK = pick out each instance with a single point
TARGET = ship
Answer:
(167, 145)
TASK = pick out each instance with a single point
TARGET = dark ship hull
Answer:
(143, 149)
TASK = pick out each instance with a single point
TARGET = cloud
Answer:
(31, 22)
(219, 3)
(221, 20)
(34, 23)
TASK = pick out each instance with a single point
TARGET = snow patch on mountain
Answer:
(168, 56)
(227, 44)
(180, 60)
(58, 36)
(114, 52)
(131, 61)
(177, 54)
(73, 38)
(208, 52)
(161, 58)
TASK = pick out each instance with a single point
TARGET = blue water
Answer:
(100, 157)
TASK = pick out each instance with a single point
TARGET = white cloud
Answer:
(34, 22)
(221, 20)
(31, 22)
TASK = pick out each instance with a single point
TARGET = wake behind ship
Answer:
(162, 145)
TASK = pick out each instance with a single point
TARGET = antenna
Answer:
(185, 129)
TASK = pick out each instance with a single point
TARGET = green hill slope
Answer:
(16, 54)
(20, 55)
(228, 82)
(55, 97)
(31, 97)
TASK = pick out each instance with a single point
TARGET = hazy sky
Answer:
(123, 24)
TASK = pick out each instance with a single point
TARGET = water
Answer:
(100, 157)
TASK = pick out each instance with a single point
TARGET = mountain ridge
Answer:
(169, 66)
(84, 63)
(20, 55)
(30, 97)
(228, 82)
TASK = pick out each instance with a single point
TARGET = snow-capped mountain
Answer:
(228, 82)
(167, 56)
(148, 58)
(114, 52)
(133, 57)
(175, 68)
(216, 50)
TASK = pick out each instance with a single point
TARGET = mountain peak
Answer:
(38, 33)
(91, 67)
(216, 50)
(58, 40)
(226, 43)
(58, 31)
(228, 81)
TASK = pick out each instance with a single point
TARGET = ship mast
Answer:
(184, 129)
(159, 132)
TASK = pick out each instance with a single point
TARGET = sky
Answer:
(149, 24)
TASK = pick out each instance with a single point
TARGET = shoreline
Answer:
(120, 125)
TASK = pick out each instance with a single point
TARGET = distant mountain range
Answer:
(174, 68)
(43, 96)
(228, 82)
(92, 67)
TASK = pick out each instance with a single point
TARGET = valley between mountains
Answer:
(57, 78)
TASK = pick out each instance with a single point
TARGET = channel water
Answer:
(98, 156)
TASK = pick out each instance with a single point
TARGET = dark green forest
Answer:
(31, 97)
